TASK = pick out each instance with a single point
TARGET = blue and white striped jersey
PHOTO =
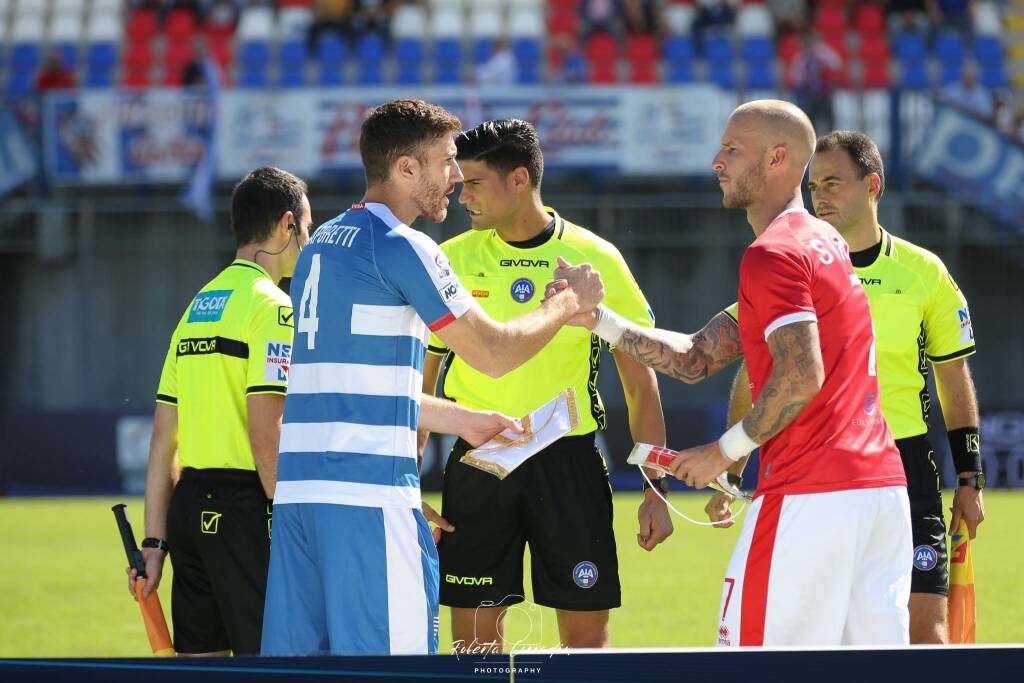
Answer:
(365, 291)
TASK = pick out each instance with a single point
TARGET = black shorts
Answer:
(560, 502)
(218, 529)
(931, 563)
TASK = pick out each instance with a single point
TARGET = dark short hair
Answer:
(260, 199)
(401, 128)
(504, 145)
(862, 150)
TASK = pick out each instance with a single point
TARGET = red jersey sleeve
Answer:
(778, 286)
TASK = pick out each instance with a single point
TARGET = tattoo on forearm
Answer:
(710, 350)
(794, 381)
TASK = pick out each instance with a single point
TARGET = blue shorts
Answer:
(349, 580)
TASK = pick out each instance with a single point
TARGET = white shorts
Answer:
(821, 569)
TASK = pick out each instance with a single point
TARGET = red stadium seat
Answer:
(838, 43)
(869, 19)
(602, 54)
(563, 22)
(830, 20)
(874, 49)
(642, 52)
(789, 45)
(181, 25)
(564, 5)
(143, 25)
(138, 56)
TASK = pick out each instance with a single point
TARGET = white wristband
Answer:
(735, 443)
(610, 325)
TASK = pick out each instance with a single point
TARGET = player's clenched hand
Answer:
(583, 280)
(587, 319)
(154, 559)
(480, 426)
(655, 522)
(718, 509)
(969, 505)
(699, 466)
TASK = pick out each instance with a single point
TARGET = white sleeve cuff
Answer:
(789, 319)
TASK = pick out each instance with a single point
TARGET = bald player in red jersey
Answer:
(824, 557)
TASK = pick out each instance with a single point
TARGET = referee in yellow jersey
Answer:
(921, 319)
(219, 406)
(559, 501)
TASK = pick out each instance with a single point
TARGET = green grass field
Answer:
(64, 594)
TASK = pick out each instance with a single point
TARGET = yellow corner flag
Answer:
(961, 587)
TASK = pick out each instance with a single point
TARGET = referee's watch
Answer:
(975, 482)
(660, 485)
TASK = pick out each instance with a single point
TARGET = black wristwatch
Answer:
(975, 482)
(660, 485)
(158, 543)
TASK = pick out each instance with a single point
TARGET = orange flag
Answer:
(961, 587)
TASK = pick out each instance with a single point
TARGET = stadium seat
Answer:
(143, 25)
(180, 25)
(721, 73)
(910, 47)
(994, 75)
(293, 57)
(642, 53)
(526, 24)
(875, 74)
(27, 28)
(74, 8)
(482, 49)
(447, 22)
(408, 22)
(256, 23)
(758, 49)
(869, 19)
(987, 19)
(293, 22)
(679, 18)
(528, 56)
(679, 52)
(448, 61)
(370, 50)
(563, 23)
(68, 53)
(176, 58)
(754, 20)
(100, 59)
(602, 56)
(914, 75)
(789, 45)
(486, 21)
(761, 75)
(103, 28)
(20, 84)
(949, 48)
(988, 49)
(65, 28)
(253, 60)
(409, 58)
(25, 58)
(718, 48)
(331, 53)
(830, 20)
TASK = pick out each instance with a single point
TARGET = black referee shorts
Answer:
(931, 563)
(560, 502)
(218, 529)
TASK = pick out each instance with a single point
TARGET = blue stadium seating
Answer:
(528, 55)
(722, 74)
(294, 54)
(949, 48)
(370, 52)
(950, 73)
(761, 75)
(910, 47)
(993, 75)
(914, 75)
(718, 52)
(758, 49)
(331, 53)
(20, 83)
(988, 49)
(482, 49)
(409, 56)
(253, 58)
(448, 54)
(68, 54)
(679, 52)
(100, 59)
(24, 58)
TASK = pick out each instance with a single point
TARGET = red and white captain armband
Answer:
(610, 325)
(735, 443)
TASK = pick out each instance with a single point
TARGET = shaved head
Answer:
(781, 124)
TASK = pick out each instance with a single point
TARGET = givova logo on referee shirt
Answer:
(208, 307)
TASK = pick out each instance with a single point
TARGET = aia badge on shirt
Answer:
(966, 330)
(523, 289)
(279, 358)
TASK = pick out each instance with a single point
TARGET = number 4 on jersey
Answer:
(308, 322)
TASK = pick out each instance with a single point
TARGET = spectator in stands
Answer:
(910, 15)
(789, 15)
(640, 16)
(54, 75)
(812, 75)
(374, 16)
(969, 95)
(955, 14)
(332, 16)
(501, 68)
(600, 16)
(713, 15)
(567, 62)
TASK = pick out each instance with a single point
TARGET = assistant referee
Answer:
(559, 501)
(219, 407)
(921, 319)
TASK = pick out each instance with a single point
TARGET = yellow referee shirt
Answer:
(508, 280)
(234, 339)
(920, 315)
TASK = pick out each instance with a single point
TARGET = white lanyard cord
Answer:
(689, 519)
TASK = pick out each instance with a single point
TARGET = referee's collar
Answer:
(246, 263)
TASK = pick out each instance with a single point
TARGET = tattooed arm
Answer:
(796, 378)
(690, 358)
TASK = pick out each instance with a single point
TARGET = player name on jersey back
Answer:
(799, 270)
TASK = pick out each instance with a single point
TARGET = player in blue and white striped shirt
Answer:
(353, 566)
